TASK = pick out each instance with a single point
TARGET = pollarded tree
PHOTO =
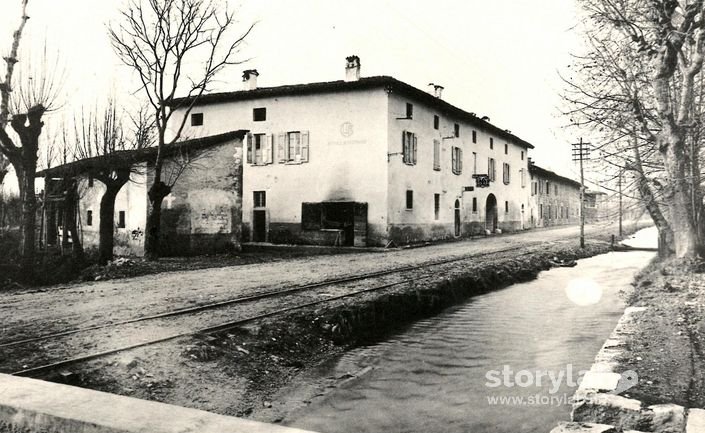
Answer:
(665, 42)
(162, 40)
(23, 103)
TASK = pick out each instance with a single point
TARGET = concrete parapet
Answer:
(33, 406)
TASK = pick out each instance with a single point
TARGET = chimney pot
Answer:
(436, 90)
(249, 79)
(352, 68)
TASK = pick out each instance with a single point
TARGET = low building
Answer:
(366, 161)
(555, 199)
(201, 215)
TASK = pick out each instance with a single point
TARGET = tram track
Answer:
(52, 365)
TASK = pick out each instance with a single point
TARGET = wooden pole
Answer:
(582, 198)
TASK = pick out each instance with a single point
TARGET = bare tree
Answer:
(23, 103)
(642, 69)
(160, 39)
(101, 133)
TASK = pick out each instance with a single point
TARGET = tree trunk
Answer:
(686, 236)
(71, 203)
(157, 192)
(107, 224)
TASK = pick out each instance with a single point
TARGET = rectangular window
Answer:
(259, 198)
(121, 219)
(437, 155)
(491, 143)
(549, 212)
(548, 188)
(292, 147)
(409, 148)
(409, 110)
(474, 136)
(522, 155)
(555, 189)
(474, 204)
(259, 142)
(409, 199)
(457, 162)
(474, 163)
(541, 211)
(506, 149)
(456, 130)
(89, 218)
(436, 122)
(506, 206)
(436, 206)
(259, 114)
(491, 169)
(196, 119)
(522, 174)
(505, 173)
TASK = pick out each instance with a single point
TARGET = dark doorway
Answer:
(259, 226)
(491, 213)
(457, 218)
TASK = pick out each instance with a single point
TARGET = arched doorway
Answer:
(491, 213)
(457, 218)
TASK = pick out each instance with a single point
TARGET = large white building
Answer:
(365, 161)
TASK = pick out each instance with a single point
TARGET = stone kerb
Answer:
(32, 406)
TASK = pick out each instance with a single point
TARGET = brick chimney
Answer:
(249, 79)
(436, 90)
(352, 68)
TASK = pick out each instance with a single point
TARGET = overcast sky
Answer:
(498, 58)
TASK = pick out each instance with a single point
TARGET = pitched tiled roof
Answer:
(125, 158)
(389, 83)
(535, 169)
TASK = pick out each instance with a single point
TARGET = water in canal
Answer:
(525, 344)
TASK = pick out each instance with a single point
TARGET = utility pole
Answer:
(619, 182)
(581, 151)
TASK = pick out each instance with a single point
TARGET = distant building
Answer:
(201, 215)
(555, 200)
(366, 161)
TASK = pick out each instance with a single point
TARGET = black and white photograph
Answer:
(330, 216)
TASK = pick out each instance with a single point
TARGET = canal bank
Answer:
(659, 342)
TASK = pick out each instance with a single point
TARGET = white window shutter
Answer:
(415, 148)
(249, 148)
(304, 146)
(460, 160)
(405, 147)
(282, 147)
(453, 160)
(268, 149)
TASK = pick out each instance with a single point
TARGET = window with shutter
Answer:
(491, 172)
(282, 147)
(436, 155)
(250, 139)
(304, 146)
(505, 173)
(268, 149)
(294, 146)
(453, 160)
(405, 147)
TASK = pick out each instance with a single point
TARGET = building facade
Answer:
(555, 200)
(201, 215)
(366, 161)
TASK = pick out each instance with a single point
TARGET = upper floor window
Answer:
(436, 122)
(522, 155)
(506, 149)
(506, 173)
(259, 114)
(293, 147)
(474, 163)
(522, 174)
(548, 188)
(409, 110)
(474, 204)
(456, 130)
(491, 169)
(409, 147)
(506, 206)
(437, 155)
(491, 143)
(474, 136)
(196, 119)
(457, 162)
